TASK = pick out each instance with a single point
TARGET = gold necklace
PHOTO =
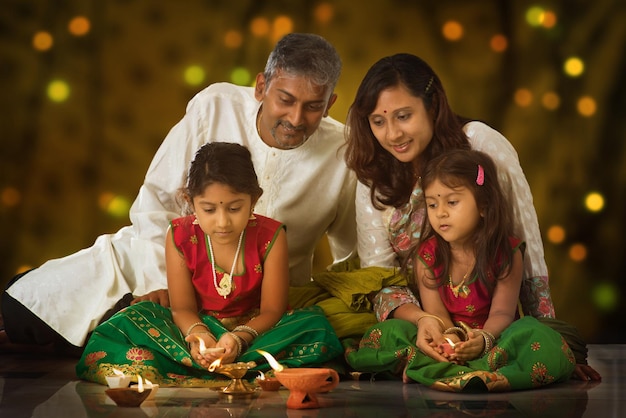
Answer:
(460, 288)
(226, 284)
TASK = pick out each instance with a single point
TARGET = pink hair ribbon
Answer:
(480, 178)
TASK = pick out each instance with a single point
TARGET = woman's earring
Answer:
(252, 217)
(195, 220)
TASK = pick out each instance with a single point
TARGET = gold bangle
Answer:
(443, 325)
(458, 331)
(196, 324)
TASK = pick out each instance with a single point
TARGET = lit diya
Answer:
(267, 383)
(235, 371)
(129, 396)
(448, 347)
(303, 383)
(118, 380)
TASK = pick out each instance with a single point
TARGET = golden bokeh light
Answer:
(452, 30)
(594, 202)
(578, 252)
(79, 26)
(551, 100)
(233, 39)
(259, 27)
(574, 67)
(586, 106)
(499, 43)
(10, 197)
(281, 27)
(324, 13)
(42, 41)
(556, 234)
(58, 91)
(548, 19)
(523, 97)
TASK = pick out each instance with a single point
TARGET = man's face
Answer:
(292, 110)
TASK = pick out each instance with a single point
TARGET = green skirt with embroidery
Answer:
(527, 355)
(142, 339)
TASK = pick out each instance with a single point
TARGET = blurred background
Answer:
(89, 89)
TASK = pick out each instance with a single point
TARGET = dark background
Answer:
(70, 169)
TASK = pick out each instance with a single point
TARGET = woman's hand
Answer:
(429, 338)
(470, 349)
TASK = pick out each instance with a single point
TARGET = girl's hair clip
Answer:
(480, 178)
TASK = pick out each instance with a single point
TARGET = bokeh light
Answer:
(10, 197)
(574, 67)
(498, 43)
(578, 252)
(551, 100)
(534, 15)
(548, 19)
(42, 41)
(606, 296)
(58, 91)
(594, 202)
(523, 97)
(586, 106)
(282, 26)
(194, 75)
(324, 13)
(233, 39)
(79, 26)
(114, 205)
(240, 76)
(556, 234)
(452, 30)
(259, 27)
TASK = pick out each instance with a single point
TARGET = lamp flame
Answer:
(118, 372)
(139, 384)
(452, 344)
(202, 348)
(261, 375)
(217, 363)
(271, 360)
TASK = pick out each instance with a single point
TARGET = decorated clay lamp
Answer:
(303, 383)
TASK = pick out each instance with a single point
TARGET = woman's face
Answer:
(401, 123)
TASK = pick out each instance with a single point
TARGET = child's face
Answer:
(222, 213)
(452, 213)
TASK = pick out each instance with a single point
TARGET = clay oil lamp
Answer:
(448, 347)
(129, 396)
(303, 383)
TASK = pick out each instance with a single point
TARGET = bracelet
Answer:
(443, 325)
(458, 331)
(240, 341)
(489, 340)
(196, 324)
(246, 329)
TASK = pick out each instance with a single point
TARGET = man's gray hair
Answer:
(305, 54)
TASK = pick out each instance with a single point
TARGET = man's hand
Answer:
(160, 297)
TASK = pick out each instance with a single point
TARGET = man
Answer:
(296, 150)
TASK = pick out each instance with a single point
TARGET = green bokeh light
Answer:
(240, 76)
(194, 75)
(606, 296)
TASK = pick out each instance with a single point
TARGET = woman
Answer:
(399, 120)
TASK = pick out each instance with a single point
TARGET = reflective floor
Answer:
(36, 386)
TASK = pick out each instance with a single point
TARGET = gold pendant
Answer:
(225, 286)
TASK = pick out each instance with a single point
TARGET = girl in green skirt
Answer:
(228, 282)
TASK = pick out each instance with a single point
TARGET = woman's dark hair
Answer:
(390, 180)
(462, 168)
(225, 163)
